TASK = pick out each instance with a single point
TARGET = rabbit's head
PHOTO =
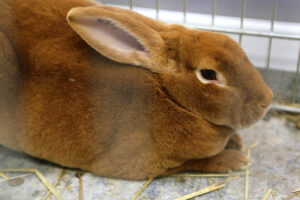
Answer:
(206, 73)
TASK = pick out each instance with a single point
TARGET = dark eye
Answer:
(208, 74)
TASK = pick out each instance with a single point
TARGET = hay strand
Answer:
(4, 176)
(203, 175)
(40, 176)
(268, 194)
(246, 184)
(297, 190)
(248, 171)
(142, 189)
(56, 184)
(69, 188)
(228, 180)
(208, 189)
(14, 177)
(252, 147)
(78, 174)
(202, 191)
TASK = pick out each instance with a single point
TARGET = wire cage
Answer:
(276, 52)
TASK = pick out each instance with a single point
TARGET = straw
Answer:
(56, 184)
(228, 180)
(203, 175)
(80, 185)
(142, 189)
(248, 171)
(267, 194)
(14, 177)
(69, 188)
(40, 176)
(202, 191)
(297, 190)
(4, 176)
(207, 189)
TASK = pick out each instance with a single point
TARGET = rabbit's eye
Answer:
(208, 74)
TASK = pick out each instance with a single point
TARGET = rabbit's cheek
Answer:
(219, 109)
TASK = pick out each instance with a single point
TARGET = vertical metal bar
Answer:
(157, 9)
(273, 15)
(267, 71)
(270, 41)
(184, 10)
(244, 3)
(213, 12)
(296, 84)
(130, 4)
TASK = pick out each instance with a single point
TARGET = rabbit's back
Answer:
(73, 103)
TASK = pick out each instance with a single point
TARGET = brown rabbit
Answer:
(121, 95)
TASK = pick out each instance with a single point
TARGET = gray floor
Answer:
(275, 165)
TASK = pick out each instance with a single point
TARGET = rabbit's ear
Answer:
(120, 36)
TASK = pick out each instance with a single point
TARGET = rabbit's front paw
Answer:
(228, 160)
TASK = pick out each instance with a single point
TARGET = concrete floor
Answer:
(275, 165)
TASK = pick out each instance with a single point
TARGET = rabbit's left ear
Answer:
(122, 37)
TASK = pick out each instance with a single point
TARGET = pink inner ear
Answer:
(108, 33)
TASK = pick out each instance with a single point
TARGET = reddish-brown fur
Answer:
(62, 101)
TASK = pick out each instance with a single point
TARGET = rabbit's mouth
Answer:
(252, 115)
(249, 116)
(254, 107)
